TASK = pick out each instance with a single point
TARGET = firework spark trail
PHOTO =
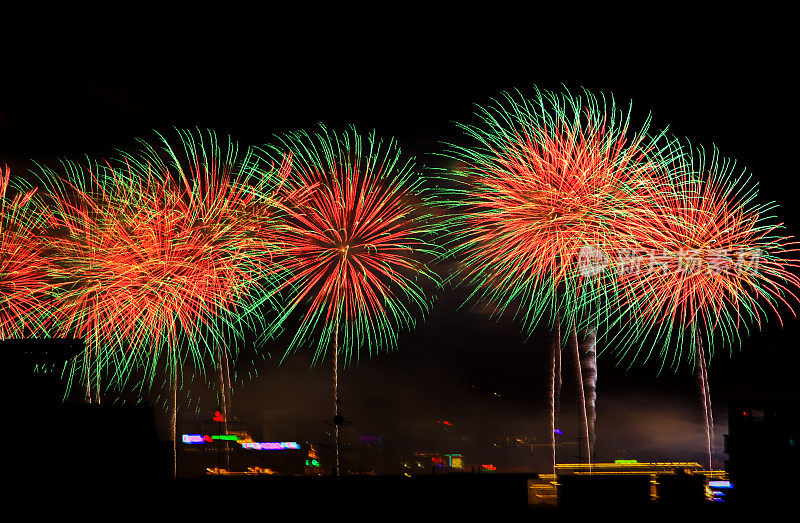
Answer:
(545, 179)
(94, 260)
(589, 368)
(709, 262)
(155, 245)
(161, 257)
(353, 250)
(231, 203)
(357, 243)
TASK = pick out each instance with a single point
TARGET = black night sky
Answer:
(736, 92)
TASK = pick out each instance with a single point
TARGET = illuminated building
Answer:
(272, 445)
(628, 466)
(542, 490)
(201, 454)
(250, 471)
(433, 462)
(313, 467)
(207, 450)
(454, 461)
(633, 483)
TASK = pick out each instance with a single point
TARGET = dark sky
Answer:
(734, 91)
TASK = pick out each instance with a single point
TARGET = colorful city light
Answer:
(205, 438)
(274, 445)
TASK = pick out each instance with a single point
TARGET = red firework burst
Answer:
(23, 284)
(549, 179)
(159, 255)
(354, 247)
(705, 263)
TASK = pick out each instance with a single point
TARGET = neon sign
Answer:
(273, 445)
(194, 439)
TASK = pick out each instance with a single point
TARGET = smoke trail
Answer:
(702, 378)
(555, 387)
(710, 415)
(97, 371)
(580, 387)
(174, 422)
(228, 383)
(336, 415)
(224, 407)
(589, 366)
(553, 402)
(88, 397)
(557, 380)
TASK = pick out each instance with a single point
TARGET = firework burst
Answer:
(707, 263)
(548, 178)
(547, 187)
(161, 253)
(24, 286)
(353, 251)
